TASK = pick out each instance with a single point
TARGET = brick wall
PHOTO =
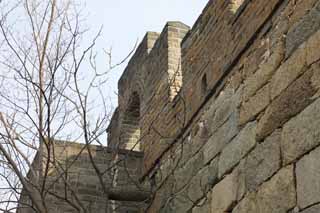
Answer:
(229, 110)
(83, 188)
(227, 116)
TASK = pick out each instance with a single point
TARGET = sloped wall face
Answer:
(242, 135)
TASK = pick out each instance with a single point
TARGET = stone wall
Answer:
(73, 184)
(227, 116)
(229, 110)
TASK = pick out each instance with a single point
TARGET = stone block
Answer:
(303, 29)
(213, 172)
(185, 197)
(255, 105)
(289, 103)
(253, 83)
(278, 195)
(203, 206)
(301, 134)
(178, 204)
(235, 80)
(221, 138)
(237, 148)
(263, 162)
(312, 48)
(184, 174)
(225, 109)
(240, 179)
(300, 8)
(222, 108)
(306, 54)
(308, 179)
(247, 204)
(165, 170)
(313, 209)
(224, 195)
(288, 72)
(193, 144)
(199, 185)
(315, 79)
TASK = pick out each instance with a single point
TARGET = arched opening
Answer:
(130, 128)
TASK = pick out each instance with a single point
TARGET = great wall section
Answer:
(225, 116)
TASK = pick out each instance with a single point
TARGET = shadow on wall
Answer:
(130, 127)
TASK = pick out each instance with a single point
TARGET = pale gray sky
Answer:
(125, 21)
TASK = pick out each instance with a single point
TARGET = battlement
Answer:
(154, 69)
(160, 51)
(192, 62)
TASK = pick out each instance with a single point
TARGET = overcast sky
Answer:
(125, 21)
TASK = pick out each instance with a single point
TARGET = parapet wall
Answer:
(152, 76)
(73, 185)
(237, 130)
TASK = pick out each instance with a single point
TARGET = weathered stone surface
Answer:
(195, 186)
(308, 179)
(234, 82)
(221, 138)
(180, 203)
(312, 48)
(302, 30)
(247, 205)
(161, 198)
(165, 170)
(283, 184)
(222, 108)
(184, 174)
(263, 161)
(192, 144)
(225, 110)
(313, 209)
(199, 185)
(299, 9)
(238, 148)
(240, 179)
(253, 83)
(224, 194)
(290, 102)
(306, 54)
(315, 79)
(255, 105)
(203, 206)
(185, 197)
(288, 71)
(301, 133)
(213, 172)
(234, 182)
(278, 195)
(294, 210)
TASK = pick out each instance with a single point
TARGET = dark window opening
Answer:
(130, 128)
